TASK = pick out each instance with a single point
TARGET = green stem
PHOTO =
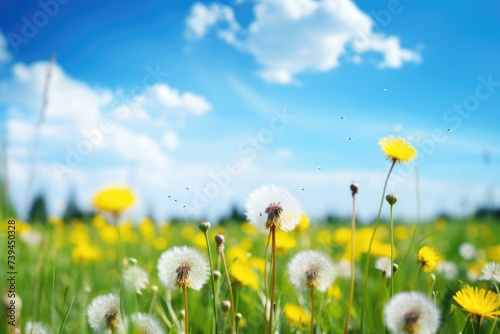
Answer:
(351, 293)
(498, 308)
(312, 309)
(418, 279)
(273, 277)
(392, 253)
(367, 265)
(213, 281)
(186, 317)
(466, 324)
(231, 297)
(266, 283)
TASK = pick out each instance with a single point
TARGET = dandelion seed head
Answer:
(447, 269)
(36, 328)
(384, 265)
(311, 269)
(104, 314)
(272, 206)
(182, 267)
(467, 251)
(135, 278)
(146, 324)
(490, 272)
(411, 313)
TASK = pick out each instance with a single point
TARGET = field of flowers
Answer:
(275, 272)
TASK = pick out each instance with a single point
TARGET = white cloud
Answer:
(68, 99)
(284, 153)
(170, 140)
(163, 100)
(5, 55)
(203, 17)
(288, 38)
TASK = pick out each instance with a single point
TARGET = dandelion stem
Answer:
(418, 279)
(392, 252)
(186, 317)
(498, 308)
(466, 324)
(213, 280)
(273, 276)
(367, 265)
(478, 324)
(266, 282)
(351, 293)
(312, 309)
(223, 257)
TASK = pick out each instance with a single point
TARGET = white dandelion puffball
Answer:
(311, 269)
(448, 269)
(36, 328)
(384, 265)
(135, 278)
(273, 206)
(104, 314)
(184, 266)
(490, 272)
(411, 312)
(467, 251)
(343, 269)
(146, 324)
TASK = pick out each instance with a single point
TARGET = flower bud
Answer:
(226, 305)
(354, 188)
(217, 274)
(391, 198)
(219, 239)
(204, 225)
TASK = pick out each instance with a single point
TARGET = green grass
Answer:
(56, 289)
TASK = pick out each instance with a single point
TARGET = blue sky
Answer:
(222, 97)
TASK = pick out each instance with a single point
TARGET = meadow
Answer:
(62, 267)
(275, 272)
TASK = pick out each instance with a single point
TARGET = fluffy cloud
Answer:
(167, 101)
(291, 37)
(4, 53)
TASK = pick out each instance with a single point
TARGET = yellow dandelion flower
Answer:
(397, 149)
(99, 221)
(114, 199)
(108, 234)
(334, 292)
(199, 240)
(160, 243)
(324, 237)
(296, 315)
(249, 228)
(257, 263)
(244, 275)
(493, 253)
(85, 252)
(478, 302)
(303, 223)
(284, 242)
(427, 257)
(401, 232)
(147, 227)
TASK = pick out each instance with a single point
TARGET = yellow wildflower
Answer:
(147, 227)
(85, 252)
(478, 302)
(303, 223)
(427, 257)
(284, 242)
(296, 315)
(114, 199)
(244, 275)
(397, 149)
